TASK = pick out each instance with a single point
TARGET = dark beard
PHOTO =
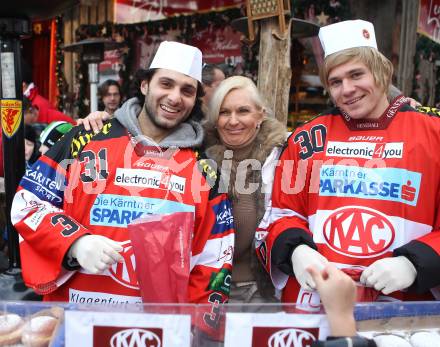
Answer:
(153, 119)
(151, 115)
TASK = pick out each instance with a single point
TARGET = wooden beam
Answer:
(110, 11)
(68, 39)
(102, 11)
(407, 51)
(93, 14)
(83, 14)
(274, 71)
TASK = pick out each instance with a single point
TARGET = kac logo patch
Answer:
(358, 232)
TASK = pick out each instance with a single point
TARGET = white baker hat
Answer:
(179, 57)
(348, 34)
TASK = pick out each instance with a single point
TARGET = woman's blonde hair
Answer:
(225, 87)
(376, 62)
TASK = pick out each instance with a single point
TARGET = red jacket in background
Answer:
(47, 113)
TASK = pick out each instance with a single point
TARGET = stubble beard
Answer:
(154, 119)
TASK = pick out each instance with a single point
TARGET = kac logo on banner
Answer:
(11, 116)
(283, 336)
(123, 336)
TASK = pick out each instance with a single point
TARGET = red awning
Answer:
(134, 11)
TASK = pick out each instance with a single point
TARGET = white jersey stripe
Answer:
(211, 256)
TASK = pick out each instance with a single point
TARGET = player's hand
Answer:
(96, 253)
(304, 257)
(389, 274)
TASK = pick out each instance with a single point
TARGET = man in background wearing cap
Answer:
(357, 186)
(145, 159)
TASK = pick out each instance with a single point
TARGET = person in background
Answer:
(349, 187)
(244, 139)
(212, 75)
(52, 133)
(31, 152)
(45, 112)
(110, 96)
(31, 112)
(76, 246)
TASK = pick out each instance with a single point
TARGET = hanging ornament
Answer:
(322, 18)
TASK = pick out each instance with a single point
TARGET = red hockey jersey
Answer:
(357, 190)
(98, 184)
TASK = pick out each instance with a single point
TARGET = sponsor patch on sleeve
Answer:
(224, 220)
(45, 182)
(220, 281)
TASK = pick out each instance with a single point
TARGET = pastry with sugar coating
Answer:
(38, 331)
(11, 326)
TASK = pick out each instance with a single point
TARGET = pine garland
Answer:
(59, 68)
(337, 10)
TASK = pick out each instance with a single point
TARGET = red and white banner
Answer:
(135, 11)
(109, 68)
(274, 329)
(429, 19)
(99, 329)
(219, 45)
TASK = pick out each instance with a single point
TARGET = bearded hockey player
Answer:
(359, 185)
(73, 206)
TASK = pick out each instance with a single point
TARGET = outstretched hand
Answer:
(338, 295)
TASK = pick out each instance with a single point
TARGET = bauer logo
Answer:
(107, 336)
(283, 337)
(358, 231)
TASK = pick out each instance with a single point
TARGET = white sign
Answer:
(274, 329)
(115, 329)
(8, 75)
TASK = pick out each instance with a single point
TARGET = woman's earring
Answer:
(258, 126)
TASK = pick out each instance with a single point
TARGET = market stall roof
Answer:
(35, 9)
(130, 11)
